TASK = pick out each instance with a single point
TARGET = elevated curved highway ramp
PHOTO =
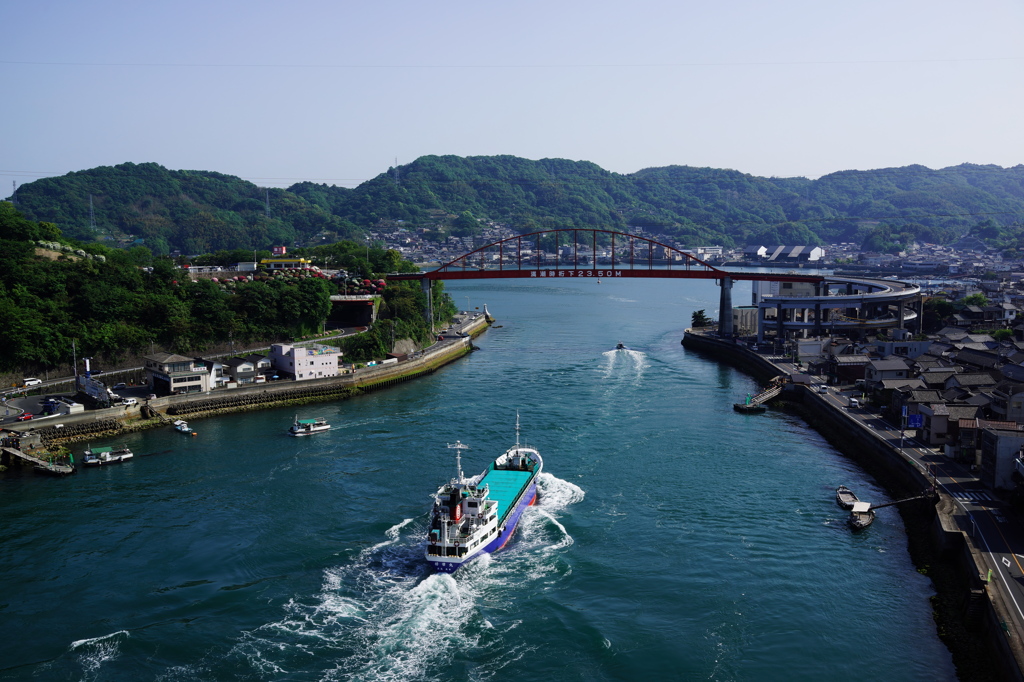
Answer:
(852, 305)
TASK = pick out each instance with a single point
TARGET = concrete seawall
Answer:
(971, 614)
(112, 421)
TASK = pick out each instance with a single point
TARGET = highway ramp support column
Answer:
(429, 311)
(725, 309)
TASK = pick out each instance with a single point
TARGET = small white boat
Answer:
(98, 456)
(305, 427)
(182, 426)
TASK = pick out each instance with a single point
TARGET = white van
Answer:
(130, 402)
(854, 402)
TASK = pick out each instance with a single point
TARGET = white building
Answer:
(313, 361)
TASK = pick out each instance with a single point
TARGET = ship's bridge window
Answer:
(472, 503)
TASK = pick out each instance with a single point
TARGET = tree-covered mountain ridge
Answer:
(202, 211)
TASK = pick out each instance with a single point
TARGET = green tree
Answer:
(700, 319)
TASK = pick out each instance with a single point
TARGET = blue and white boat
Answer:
(472, 516)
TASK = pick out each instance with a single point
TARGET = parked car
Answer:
(32, 382)
(130, 402)
(24, 416)
(151, 396)
(119, 386)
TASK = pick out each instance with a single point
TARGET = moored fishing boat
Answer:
(305, 427)
(845, 497)
(861, 516)
(182, 426)
(99, 456)
(473, 516)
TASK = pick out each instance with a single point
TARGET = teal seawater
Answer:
(673, 540)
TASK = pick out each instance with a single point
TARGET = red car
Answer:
(24, 416)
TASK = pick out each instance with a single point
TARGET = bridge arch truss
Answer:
(576, 253)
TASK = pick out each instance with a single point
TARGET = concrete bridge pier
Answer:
(818, 328)
(725, 308)
(428, 312)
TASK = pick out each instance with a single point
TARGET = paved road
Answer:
(14, 406)
(986, 518)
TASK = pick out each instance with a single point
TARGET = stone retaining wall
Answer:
(969, 612)
(114, 421)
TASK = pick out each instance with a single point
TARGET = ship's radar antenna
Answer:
(458, 447)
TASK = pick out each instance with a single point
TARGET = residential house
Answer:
(936, 378)
(216, 370)
(973, 360)
(999, 450)
(968, 447)
(846, 369)
(970, 382)
(241, 371)
(1008, 401)
(168, 373)
(878, 370)
(262, 365)
(942, 422)
(910, 399)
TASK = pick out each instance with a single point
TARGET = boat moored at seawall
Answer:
(473, 516)
(100, 456)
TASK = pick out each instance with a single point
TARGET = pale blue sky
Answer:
(334, 92)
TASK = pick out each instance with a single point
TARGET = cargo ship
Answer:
(473, 516)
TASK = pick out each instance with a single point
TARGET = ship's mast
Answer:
(517, 428)
(458, 447)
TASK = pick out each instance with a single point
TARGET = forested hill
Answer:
(881, 209)
(192, 211)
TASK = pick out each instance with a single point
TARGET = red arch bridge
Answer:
(596, 254)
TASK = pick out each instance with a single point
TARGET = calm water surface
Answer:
(674, 539)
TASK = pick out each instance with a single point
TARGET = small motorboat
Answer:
(620, 346)
(99, 456)
(305, 427)
(845, 497)
(182, 426)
